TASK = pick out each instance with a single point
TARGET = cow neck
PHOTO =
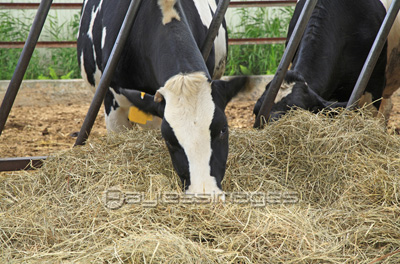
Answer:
(180, 41)
(314, 51)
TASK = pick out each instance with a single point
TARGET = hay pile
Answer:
(324, 190)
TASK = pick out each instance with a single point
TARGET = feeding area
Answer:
(306, 189)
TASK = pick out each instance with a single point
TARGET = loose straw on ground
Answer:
(307, 189)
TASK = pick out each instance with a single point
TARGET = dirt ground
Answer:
(43, 122)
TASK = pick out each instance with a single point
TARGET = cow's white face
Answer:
(194, 126)
(188, 114)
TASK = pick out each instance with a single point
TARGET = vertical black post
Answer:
(108, 72)
(374, 54)
(23, 61)
(285, 62)
(214, 28)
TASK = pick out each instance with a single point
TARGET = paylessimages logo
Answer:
(115, 198)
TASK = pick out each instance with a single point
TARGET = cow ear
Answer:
(224, 91)
(145, 102)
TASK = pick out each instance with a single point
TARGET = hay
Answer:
(323, 189)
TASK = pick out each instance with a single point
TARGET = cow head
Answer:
(194, 126)
(295, 92)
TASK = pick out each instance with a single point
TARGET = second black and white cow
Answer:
(162, 72)
(330, 57)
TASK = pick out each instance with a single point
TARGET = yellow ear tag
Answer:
(138, 116)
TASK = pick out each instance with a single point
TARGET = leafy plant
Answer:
(14, 29)
(257, 23)
(46, 63)
(52, 75)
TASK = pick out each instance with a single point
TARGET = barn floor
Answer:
(47, 115)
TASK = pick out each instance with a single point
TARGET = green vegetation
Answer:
(258, 23)
(61, 63)
(55, 63)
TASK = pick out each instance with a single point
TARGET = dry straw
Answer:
(306, 189)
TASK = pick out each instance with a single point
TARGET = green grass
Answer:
(61, 63)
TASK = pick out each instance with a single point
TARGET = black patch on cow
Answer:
(177, 153)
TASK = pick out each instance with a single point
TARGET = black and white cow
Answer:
(330, 57)
(163, 60)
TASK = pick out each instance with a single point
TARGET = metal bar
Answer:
(262, 3)
(36, 5)
(26, 163)
(40, 44)
(256, 41)
(23, 61)
(72, 44)
(108, 72)
(374, 54)
(214, 28)
(79, 5)
(284, 63)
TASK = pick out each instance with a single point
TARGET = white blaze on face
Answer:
(204, 8)
(285, 90)
(189, 110)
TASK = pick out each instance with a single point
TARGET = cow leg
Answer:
(116, 112)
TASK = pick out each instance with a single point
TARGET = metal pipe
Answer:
(214, 28)
(23, 61)
(374, 54)
(233, 4)
(284, 63)
(39, 44)
(26, 163)
(72, 44)
(108, 72)
(36, 5)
